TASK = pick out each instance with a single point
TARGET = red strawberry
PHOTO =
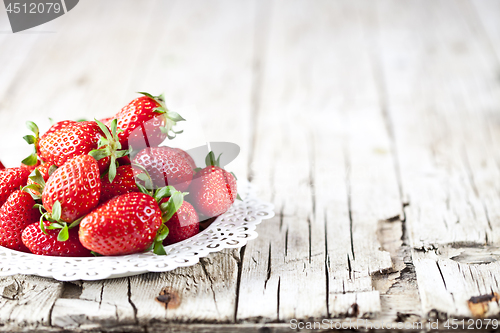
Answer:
(124, 182)
(58, 126)
(213, 189)
(15, 214)
(146, 122)
(2, 166)
(10, 180)
(76, 186)
(182, 225)
(44, 171)
(47, 244)
(165, 166)
(125, 160)
(133, 230)
(186, 156)
(73, 140)
(69, 139)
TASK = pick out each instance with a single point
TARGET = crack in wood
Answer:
(349, 203)
(129, 297)
(238, 283)
(327, 266)
(278, 299)
(203, 266)
(268, 276)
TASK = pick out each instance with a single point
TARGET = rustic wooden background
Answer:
(373, 126)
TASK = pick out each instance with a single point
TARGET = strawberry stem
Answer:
(109, 145)
(172, 118)
(32, 140)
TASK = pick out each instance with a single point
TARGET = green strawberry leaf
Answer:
(162, 233)
(56, 211)
(37, 205)
(104, 129)
(147, 94)
(81, 120)
(159, 249)
(142, 189)
(55, 225)
(164, 130)
(114, 125)
(144, 176)
(30, 139)
(63, 235)
(173, 204)
(52, 169)
(34, 187)
(160, 110)
(112, 169)
(95, 254)
(158, 242)
(122, 153)
(75, 223)
(211, 161)
(33, 127)
(98, 154)
(30, 160)
(197, 169)
(36, 176)
(174, 116)
(238, 197)
(163, 193)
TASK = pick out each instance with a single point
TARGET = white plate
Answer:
(230, 230)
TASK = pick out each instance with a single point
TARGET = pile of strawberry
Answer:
(107, 187)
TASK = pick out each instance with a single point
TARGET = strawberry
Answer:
(76, 186)
(186, 156)
(182, 225)
(47, 243)
(132, 230)
(69, 139)
(213, 189)
(2, 166)
(165, 167)
(124, 182)
(73, 140)
(125, 160)
(10, 180)
(58, 126)
(15, 215)
(146, 120)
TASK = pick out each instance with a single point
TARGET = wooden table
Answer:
(373, 126)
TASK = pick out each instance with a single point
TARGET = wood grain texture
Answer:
(445, 135)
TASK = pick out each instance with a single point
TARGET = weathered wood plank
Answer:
(27, 301)
(440, 76)
(335, 191)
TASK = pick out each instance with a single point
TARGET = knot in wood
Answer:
(169, 297)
